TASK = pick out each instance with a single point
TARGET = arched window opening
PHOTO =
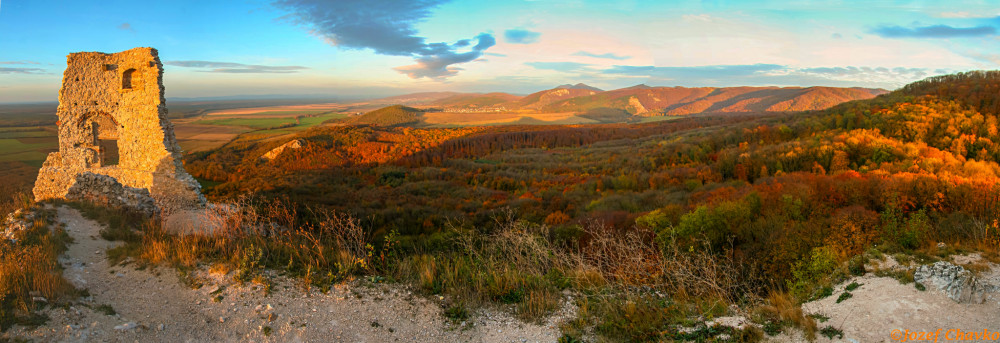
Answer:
(127, 79)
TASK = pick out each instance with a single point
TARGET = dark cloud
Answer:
(4, 70)
(610, 56)
(935, 31)
(126, 27)
(519, 36)
(387, 28)
(559, 66)
(237, 68)
(438, 66)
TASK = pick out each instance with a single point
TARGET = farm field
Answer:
(29, 145)
(451, 119)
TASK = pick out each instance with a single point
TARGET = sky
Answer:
(372, 48)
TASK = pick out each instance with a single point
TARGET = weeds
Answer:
(781, 310)
(844, 296)
(105, 309)
(456, 313)
(831, 332)
(821, 318)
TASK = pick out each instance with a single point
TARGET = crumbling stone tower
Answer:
(116, 144)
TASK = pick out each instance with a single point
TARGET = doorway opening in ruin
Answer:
(127, 78)
(106, 138)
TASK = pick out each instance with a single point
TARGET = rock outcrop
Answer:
(274, 153)
(114, 136)
(16, 221)
(958, 283)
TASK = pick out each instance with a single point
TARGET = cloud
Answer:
(387, 28)
(494, 54)
(438, 65)
(715, 71)
(126, 27)
(867, 73)
(519, 36)
(935, 31)
(567, 67)
(5, 70)
(966, 15)
(610, 56)
(18, 62)
(237, 68)
(772, 75)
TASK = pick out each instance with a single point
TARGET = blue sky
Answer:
(363, 48)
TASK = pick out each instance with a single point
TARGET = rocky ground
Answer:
(881, 305)
(126, 304)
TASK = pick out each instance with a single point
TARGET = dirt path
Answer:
(154, 306)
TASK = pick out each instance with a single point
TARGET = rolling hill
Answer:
(539, 100)
(643, 100)
(397, 115)
(620, 105)
(474, 100)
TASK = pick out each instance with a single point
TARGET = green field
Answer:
(253, 122)
(13, 146)
(658, 118)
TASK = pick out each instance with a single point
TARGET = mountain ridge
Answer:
(644, 100)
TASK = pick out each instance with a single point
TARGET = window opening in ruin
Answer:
(106, 136)
(127, 79)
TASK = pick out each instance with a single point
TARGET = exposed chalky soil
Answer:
(881, 305)
(151, 305)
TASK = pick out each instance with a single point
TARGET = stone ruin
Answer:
(116, 145)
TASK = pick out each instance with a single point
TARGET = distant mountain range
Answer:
(642, 100)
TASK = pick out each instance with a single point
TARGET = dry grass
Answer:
(250, 235)
(29, 267)
(781, 309)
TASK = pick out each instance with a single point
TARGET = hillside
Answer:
(646, 101)
(396, 115)
(473, 100)
(538, 100)
(791, 205)
(414, 98)
(581, 86)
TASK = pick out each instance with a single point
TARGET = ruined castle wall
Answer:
(119, 97)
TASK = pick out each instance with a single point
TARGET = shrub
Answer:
(811, 271)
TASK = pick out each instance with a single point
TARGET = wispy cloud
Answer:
(126, 27)
(494, 54)
(772, 74)
(387, 28)
(18, 62)
(560, 66)
(715, 71)
(237, 68)
(935, 31)
(6, 70)
(967, 15)
(610, 56)
(521, 36)
(868, 74)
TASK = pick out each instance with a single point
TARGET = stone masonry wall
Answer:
(119, 97)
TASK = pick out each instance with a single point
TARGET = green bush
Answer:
(812, 271)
